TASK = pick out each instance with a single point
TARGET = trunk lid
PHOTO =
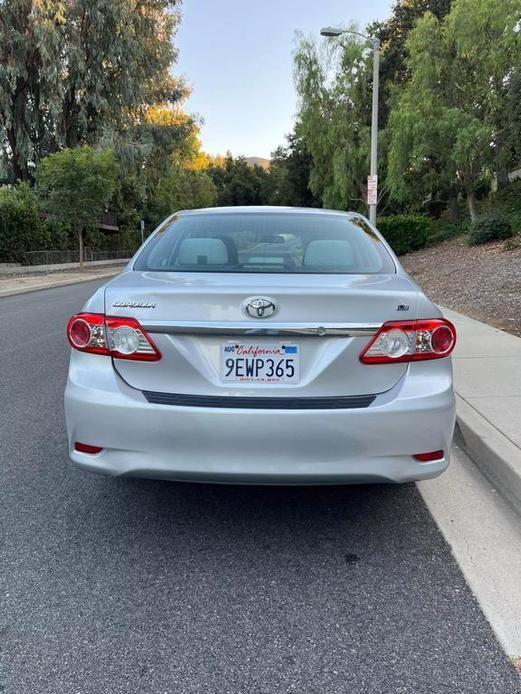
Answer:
(167, 302)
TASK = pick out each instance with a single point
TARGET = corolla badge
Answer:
(133, 304)
(259, 307)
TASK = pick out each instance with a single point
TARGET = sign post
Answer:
(372, 192)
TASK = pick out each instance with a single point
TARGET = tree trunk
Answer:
(502, 177)
(471, 202)
(453, 208)
(17, 164)
(80, 244)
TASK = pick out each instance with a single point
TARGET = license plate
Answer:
(251, 362)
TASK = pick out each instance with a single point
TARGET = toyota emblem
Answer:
(260, 307)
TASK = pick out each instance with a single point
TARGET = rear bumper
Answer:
(372, 444)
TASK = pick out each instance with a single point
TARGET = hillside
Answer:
(259, 161)
(483, 282)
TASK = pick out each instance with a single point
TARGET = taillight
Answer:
(399, 341)
(86, 333)
(121, 338)
(127, 340)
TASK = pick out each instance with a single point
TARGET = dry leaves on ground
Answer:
(483, 282)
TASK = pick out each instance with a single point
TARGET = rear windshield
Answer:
(272, 242)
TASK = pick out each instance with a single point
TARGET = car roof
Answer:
(269, 209)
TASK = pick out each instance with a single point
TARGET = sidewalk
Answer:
(487, 377)
(12, 269)
(31, 282)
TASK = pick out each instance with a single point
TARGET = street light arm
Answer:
(333, 32)
(357, 33)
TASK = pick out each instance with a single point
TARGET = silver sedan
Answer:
(262, 345)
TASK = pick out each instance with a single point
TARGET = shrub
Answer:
(515, 220)
(507, 199)
(443, 230)
(21, 229)
(513, 243)
(58, 234)
(405, 232)
(491, 227)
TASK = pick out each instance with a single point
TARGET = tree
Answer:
(334, 85)
(289, 174)
(181, 189)
(239, 183)
(513, 115)
(75, 186)
(21, 228)
(30, 53)
(170, 137)
(164, 136)
(393, 34)
(449, 124)
(72, 69)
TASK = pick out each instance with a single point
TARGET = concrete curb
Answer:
(493, 453)
(61, 283)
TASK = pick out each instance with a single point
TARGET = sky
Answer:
(237, 57)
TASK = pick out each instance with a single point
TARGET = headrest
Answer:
(202, 252)
(329, 254)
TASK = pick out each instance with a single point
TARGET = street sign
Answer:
(372, 190)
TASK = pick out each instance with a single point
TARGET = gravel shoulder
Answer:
(483, 282)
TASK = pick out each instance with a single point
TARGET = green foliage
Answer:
(334, 86)
(75, 185)
(21, 229)
(164, 137)
(129, 239)
(393, 34)
(405, 232)
(491, 227)
(507, 200)
(513, 114)
(289, 174)
(442, 230)
(448, 123)
(58, 234)
(73, 69)
(79, 72)
(239, 183)
(181, 189)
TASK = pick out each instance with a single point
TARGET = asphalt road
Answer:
(149, 587)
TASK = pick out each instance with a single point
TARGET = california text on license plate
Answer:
(250, 362)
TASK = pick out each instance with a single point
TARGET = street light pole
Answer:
(372, 192)
(374, 127)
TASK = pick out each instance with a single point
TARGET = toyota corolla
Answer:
(262, 345)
